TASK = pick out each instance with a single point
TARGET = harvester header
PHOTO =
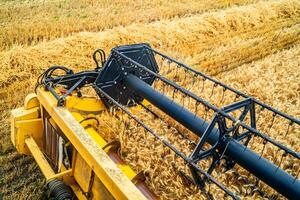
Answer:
(219, 128)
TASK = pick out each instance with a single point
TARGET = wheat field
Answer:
(250, 45)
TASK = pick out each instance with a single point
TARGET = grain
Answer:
(250, 45)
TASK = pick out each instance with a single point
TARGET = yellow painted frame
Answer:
(48, 171)
(111, 176)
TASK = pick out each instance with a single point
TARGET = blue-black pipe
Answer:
(262, 168)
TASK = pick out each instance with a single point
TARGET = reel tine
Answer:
(203, 80)
(264, 145)
(259, 114)
(182, 99)
(185, 72)
(169, 64)
(176, 73)
(272, 121)
(223, 94)
(288, 128)
(281, 160)
(212, 90)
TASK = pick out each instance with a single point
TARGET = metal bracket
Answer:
(218, 150)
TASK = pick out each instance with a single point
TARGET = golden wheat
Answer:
(213, 42)
(24, 63)
(28, 23)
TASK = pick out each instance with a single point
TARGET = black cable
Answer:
(48, 73)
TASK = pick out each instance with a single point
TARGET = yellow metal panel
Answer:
(48, 171)
(127, 170)
(31, 101)
(91, 131)
(26, 128)
(112, 177)
(23, 114)
(17, 133)
(99, 191)
(40, 158)
(82, 173)
(86, 104)
(101, 142)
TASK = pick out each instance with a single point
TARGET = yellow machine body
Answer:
(91, 173)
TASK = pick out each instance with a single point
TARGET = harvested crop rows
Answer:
(252, 46)
(30, 23)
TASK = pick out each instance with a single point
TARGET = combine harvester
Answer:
(57, 127)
